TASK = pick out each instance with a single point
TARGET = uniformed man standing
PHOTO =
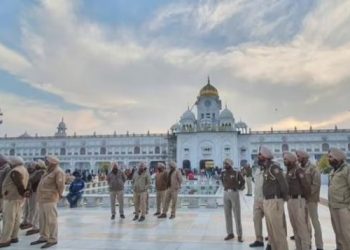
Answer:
(141, 182)
(14, 190)
(339, 197)
(275, 192)
(34, 180)
(248, 174)
(116, 179)
(299, 191)
(232, 181)
(27, 215)
(161, 186)
(174, 180)
(4, 170)
(258, 207)
(313, 177)
(49, 192)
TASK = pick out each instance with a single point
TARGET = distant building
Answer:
(200, 140)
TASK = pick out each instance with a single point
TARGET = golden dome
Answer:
(208, 90)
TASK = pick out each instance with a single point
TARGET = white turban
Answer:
(15, 161)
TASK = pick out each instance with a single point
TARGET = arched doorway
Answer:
(186, 165)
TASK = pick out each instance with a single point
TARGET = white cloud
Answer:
(12, 61)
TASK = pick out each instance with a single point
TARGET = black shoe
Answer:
(32, 231)
(248, 195)
(229, 237)
(113, 217)
(268, 247)
(122, 216)
(257, 244)
(319, 249)
(292, 237)
(38, 242)
(15, 240)
(142, 218)
(161, 216)
(172, 217)
(136, 217)
(49, 244)
(157, 213)
(266, 238)
(5, 244)
(240, 239)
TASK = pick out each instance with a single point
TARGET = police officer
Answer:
(4, 170)
(275, 192)
(232, 181)
(299, 190)
(258, 207)
(49, 192)
(14, 189)
(313, 177)
(247, 173)
(339, 197)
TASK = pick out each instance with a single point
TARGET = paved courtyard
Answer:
(201, 228)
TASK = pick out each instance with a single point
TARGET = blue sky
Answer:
(136, 65)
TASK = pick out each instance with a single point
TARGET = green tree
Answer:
(323, 165)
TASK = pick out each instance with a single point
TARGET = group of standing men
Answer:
(36, 190)
(300, 188)
(167, 183)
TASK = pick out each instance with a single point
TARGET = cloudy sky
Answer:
(117, 65)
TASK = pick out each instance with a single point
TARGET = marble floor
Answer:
(201, 228)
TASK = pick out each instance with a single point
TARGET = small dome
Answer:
(188, 115)
(175, 127)
(226, 114)
(62, 125)
(208, 90)
(24, 135)
(241, 125)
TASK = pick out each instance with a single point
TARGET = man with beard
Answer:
(339, 197)
(161, 185)
(14, 189)
(116, 179)
(275, 191)
(174, 180)
(232, 181)
(299, 191)
(141, 182)
(50, 191)
(313, 177)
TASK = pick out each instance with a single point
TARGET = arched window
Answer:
(12, 151)
(82, 151)
(137, 150)
(285, 147)
(43, 151)
(62, 151)
(349, 147)
(325, 147)
(103, 151)
(157, 150)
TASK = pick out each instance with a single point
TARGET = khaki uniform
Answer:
(232, 181)
(13, 201)
(161, 186)
(141, 183)
(49, 191)
(174, 180)
(275, 192)
(4, 170)
(313, 177)
(116, 189)
(339, 205)
(299, 190)
(248, 179)
(258, 207)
